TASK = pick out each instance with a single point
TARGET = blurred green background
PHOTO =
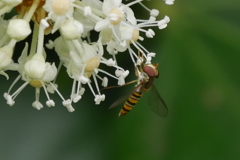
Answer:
(199, 65)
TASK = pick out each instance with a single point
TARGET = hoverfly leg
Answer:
(136, 71)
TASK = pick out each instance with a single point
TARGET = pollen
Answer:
(60, 7)
(135, 35)
(118, 19)
(36, 84)
(92, 64)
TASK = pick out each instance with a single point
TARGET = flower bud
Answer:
(35, 68)
(71, 30)
(18, 29)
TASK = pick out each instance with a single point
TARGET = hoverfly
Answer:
(146, 76)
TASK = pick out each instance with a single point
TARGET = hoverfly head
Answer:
(151, 70)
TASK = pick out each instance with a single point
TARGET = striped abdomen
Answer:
(130, 103)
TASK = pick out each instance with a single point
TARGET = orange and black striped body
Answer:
(132, 100)
(146, 77)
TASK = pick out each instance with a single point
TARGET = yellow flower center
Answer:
(36, 84)
(135, 35)
(91, 65)
(119, 14)
(60, 7)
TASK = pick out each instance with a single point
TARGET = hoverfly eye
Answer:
(151, 71)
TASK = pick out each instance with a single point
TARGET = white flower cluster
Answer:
(118, 28)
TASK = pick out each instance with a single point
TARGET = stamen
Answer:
(45, 90)
(138, 48)
(96, 83)
(57, 92)
(131, 55)
(73, 89)
(14, 82)
(78, 88)
(143, 48)
(100, 70)
(134, 2)
(89, 85)
(82, 90)
(15, 94)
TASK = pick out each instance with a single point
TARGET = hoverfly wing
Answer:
(156, 102)
(121, 100)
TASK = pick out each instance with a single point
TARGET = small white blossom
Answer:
(84, 58)
(71, 30)
(59, 11)
(18, 29)
(35, 68)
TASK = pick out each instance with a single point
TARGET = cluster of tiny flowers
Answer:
(119, 31)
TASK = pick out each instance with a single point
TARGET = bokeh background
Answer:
(199, 58)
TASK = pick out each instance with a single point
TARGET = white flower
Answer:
(115, 13)
(18, 29)
(88, 24)
(82, 55)
(59, 11)
(35, 68)
(62, 50)
(36, 72)
(85, 65)
(71, 30)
